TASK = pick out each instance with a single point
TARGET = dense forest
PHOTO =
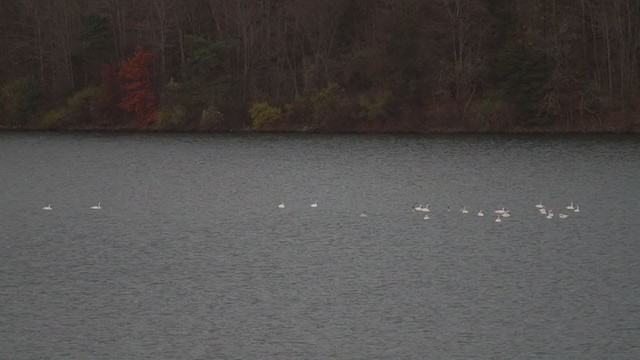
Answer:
(321, 65)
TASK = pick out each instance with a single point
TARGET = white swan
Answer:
(314, 205)
(570, 207)
(281, 206)
(577, 209)
(48, 207)
(550, 214)
(540, 206)
(500, 211)
(481, 212)
(506, 214)
(97, 207)
(364, 214)
(426, 217)
(498, 219)
(464, 210)
(543, 211)
(563, 216)
(422, 208)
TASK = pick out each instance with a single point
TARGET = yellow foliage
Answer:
(262, 114)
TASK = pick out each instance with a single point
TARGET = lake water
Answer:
(191, 258)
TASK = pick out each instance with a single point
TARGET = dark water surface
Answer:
(190, 256)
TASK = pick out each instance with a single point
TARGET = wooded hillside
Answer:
(331, 65)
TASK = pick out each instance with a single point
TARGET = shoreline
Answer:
(433, 131)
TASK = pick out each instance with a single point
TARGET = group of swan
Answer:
(549, 214)
(500, 213)
(424, 209)
(94, 207)
(313, 205)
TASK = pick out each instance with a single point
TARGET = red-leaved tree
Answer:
(138, 97)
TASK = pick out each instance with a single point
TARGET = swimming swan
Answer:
(464, 210)
(570, 207)
(97, 207)
(540, 206)
(506, 214)
(550, 214)
(577, 209)
(314, 205)
(364, 214)
(281, 206)
(497, 219)
(500, 211)
(481, 212)
(563, 216)
(48, 207)
(426, 217)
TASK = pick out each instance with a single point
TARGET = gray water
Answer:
(191, 258)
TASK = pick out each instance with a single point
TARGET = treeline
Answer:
(330, 65)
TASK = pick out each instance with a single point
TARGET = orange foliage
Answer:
(138, 97)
